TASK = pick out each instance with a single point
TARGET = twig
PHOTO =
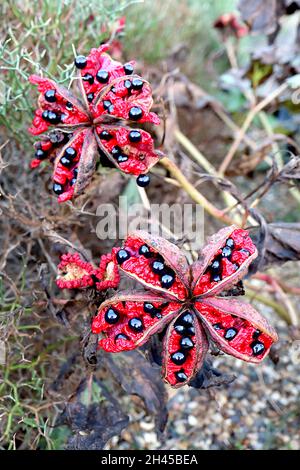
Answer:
(193, 192)
(251, 115)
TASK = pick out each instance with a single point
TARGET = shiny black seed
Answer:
(158, 267)
(215, 278)
(243, 250)
(137, 84)
(226, 252)
(75, 172)
(143, 180)
(122, 256)
(113, 89)
(218, 326)
(116, 150)
(190, 331)
(80, 61)
(230, 334)
(215, 265)
(106, 104)
(73, 181)
(167, 280)
(122, 158)
(136, 324)
(149, 308)
(88, 78)
(53, 117)
(70, 152)
(186, 343)
(145, 251)
(187, 319)
(230, 243)
(256, 334)
(50, 96)
(90, 97)
(178, 357)
(69, 106)
(180, 329)
(111, 109)
(57, 188)
(127, 84)
(102, 76)
(257, 348)
(135, 113)
(128, 69)
(135, 136)
(236, 266)
(40, 154)
(104, 135)
(111, 316)
(121, 336)
(65, 161)
(45, 115)
(181, 376)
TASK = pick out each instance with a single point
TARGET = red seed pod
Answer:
(110, 93)
(74, 273)
(186, 299)
(108, 273)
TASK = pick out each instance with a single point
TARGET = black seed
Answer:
(40, 154)
(257, 348)
(143, 180)
(104, 135)
(53, 117)
(236, 266)
(57, 188)
(180, 329)
(70, 152)
(111, 109)
(102, 76)
(149, 308)
(134, 136)
(256, 334)
(122, 256)
(145, 251)
(178, 358)
(75, 172)
(215, 278)
(136, 325)
(127, 84)
(230, 243)
(73, 181)
(226, 252)
(218, 326)
(88, 78)
(65, 161)
(215, 265)
(111, 316)
(187, 319)
(106, 104)
(158, 267)
(69, 105)
(45, 115)
(243, 250)
(230, 334)
(50, 96)
(167, 280)
(113, 89)
(186, 343)
(190, 331)
(121, 336)
(128, 69)
(90, 97)
(80, 62)
(135, 113)
(116, 150)
(122, 158)
(181, 376)
(137, 84)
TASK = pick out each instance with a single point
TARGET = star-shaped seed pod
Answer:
(99, 125)
(186, 301)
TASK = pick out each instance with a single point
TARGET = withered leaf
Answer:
(208, 377)
(93, 415)
(138, 377)
(260, 15)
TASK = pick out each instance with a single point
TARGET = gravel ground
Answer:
(259, 410)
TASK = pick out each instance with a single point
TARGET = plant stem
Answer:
(194, 193)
